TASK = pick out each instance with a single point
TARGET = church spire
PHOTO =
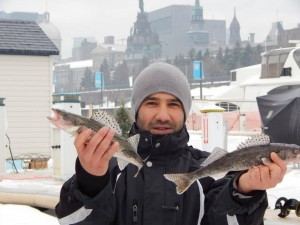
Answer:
(141, 5)
(234, 14)
(197, 33)
(197, 12)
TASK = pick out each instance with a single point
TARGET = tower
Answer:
(235, 36)
(142, 42)
(199, 36)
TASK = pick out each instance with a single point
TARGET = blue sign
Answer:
(198, 70)
(98, 79)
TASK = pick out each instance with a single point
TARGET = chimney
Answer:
(109, 40)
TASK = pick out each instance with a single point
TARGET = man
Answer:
(99, 193)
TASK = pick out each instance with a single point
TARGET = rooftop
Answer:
(18, 37)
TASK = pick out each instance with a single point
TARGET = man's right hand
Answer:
(94, 154)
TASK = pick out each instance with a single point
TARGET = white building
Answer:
(26, 84)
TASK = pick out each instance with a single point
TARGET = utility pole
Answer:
(102, 79)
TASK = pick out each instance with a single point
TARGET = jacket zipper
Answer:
(135, 212)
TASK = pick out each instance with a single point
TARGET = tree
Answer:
(124, 119)
(246, 54)
(236, 55)
(121, 76)
(144, 63)
(228, 61)
(220, 56)
(192, 54)
(199, 55)
(256, 56)
(88, 80)
(106, 73)
(180, 62)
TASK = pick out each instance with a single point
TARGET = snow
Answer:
(27, 215)
(24, 215)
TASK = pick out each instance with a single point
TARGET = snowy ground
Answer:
(26, 215)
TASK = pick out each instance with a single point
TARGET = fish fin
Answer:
(107, 120)
(181, 180)
(145, 160)
(122, 163)
(139, 168)
(266, 161)
(259, 139)
(216, 154)
(74, 131)
(134, 141)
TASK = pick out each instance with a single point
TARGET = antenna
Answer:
(46, 5)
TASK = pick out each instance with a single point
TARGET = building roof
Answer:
(77, 64)
(20, 37)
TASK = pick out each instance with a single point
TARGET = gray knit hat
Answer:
(161, 77)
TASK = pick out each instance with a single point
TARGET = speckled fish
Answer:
(253, 152)
(74, 124)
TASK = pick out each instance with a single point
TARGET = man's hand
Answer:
(94, 154)
(263, 177)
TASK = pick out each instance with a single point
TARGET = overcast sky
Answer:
(100, 18)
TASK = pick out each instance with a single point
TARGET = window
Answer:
(228, 106)
(286, 72)
(233, 76)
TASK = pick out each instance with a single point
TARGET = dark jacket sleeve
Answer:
(85, 199)
(224, 203)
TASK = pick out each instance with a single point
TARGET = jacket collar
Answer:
(156, 146)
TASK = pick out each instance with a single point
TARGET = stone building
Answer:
(183, 26)
(142, 42)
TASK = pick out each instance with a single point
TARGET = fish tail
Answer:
(182, 181)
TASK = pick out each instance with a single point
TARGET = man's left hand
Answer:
(263, 177)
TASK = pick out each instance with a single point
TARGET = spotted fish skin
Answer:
(254, 152)
(74, 124)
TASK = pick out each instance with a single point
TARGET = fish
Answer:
(255, 151)
(74, 124)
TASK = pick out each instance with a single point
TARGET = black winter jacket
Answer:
(119, 198)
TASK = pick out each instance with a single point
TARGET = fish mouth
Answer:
(55, 116)
(57, 120)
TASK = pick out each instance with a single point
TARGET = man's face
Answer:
(161, 114)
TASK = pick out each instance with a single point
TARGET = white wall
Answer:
(25, 82)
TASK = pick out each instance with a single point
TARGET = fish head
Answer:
(292, 156)
(63, 120)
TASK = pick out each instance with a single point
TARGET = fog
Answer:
(100, 18)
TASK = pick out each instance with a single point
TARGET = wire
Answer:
(11, 155)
